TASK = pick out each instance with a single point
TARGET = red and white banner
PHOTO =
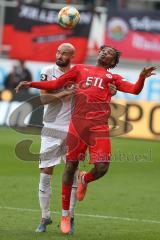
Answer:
(136, 34)
(36, 34)
(33, 33)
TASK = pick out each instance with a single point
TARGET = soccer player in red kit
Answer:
(89, 122)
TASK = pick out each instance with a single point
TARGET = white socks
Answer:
(45, 194)
(73, 201)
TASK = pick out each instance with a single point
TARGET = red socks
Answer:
(66, 191)
(88, 177)
(66, 195)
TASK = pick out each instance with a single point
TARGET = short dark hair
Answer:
(117, 57)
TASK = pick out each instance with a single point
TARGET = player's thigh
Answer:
(77, 153)
(76, 147)
(50, 152)
(101, 151)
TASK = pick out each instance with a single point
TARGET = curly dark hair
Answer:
(117, 52)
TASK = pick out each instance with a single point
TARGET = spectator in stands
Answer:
(89, 3)
(19, 73)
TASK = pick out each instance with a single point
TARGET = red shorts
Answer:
(95, 138)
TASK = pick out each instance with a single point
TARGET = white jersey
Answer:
(58, 113)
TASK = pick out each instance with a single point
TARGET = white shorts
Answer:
(51, 151)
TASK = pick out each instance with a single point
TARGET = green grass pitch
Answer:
(123, 205)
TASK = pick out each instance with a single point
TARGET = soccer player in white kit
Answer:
(57, 114)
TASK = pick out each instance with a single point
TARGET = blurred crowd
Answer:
(18, 73)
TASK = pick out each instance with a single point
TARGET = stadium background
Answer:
(129, 209)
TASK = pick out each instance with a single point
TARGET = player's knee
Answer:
(102, 169)
(71, 167)
(47, 170)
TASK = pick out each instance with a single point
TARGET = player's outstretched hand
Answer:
(148, 71)
(22, 85)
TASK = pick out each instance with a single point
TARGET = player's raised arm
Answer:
(135, 88)
(64, 80)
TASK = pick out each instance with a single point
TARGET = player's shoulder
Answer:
(85, 67)
(48, 68)
(47, 71)
(78, 66)
(116, 76)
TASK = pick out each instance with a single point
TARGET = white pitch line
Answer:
(88, 215)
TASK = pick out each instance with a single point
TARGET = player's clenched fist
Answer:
(22, 85)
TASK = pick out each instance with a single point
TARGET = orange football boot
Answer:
(82, 187)
(65, 224)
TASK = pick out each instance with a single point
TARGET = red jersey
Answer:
(92, 95)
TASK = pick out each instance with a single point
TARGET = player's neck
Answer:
(102, 66)
(64, 69)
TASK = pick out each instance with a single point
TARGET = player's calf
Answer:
(69, 172)
(97, 172)
(100, 169)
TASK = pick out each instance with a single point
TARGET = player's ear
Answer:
(73, 55)
(113, 63)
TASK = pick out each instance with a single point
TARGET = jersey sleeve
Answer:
(67, 78)
(124, 86)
